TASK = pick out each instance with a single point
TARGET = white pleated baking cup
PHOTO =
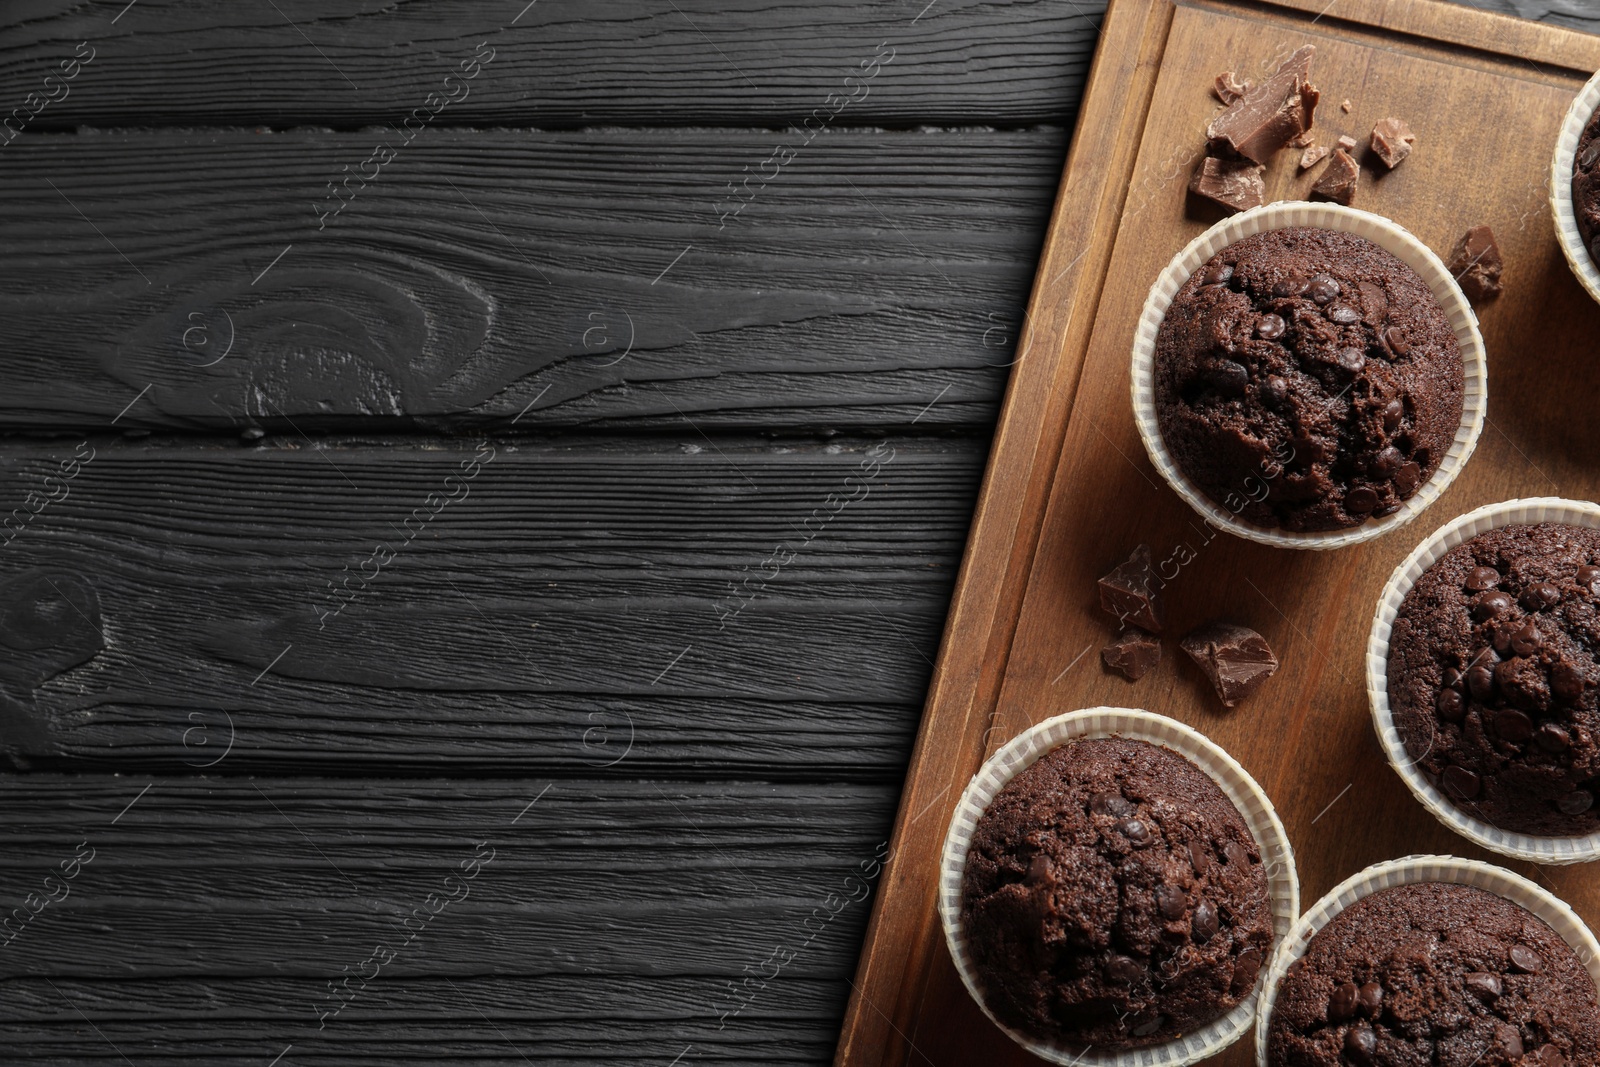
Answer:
(1557, 850)
(1387, 235)
(1020, 753)
(1561, 206)
(1409, 871)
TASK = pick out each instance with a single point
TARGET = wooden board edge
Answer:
(1006, 525)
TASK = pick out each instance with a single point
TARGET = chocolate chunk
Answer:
(1553, 737)
(1482, 578)
(1460, 782)
(1370, 998)
(1124, 969)
(1576, 802)
(1204, 924)
(1312, 156)
(1113, 804)
(1217, 274)
(1172, 901)
(1132, 653)
(1132, 592)
(1525, 959)
(1361, 1044)
(1234, 184)
(1343, 1003)
(1360, 500)
(1271, 327)
(1270, 115)
(1339, 179)
(1302, 141)
(1477, 264)
(1484, 984)
(1392, 140)
(1228, 87)
(1346, 142)
(1512, 725)
(1236, 659)
(1344, 105)
(1452, 706)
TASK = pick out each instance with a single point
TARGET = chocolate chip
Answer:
(1454, 679)
(1540, 596)
(1229, 378)
(1288, 287)
(1393, 412)
(1370, 998)
(1553, 737)
(1125, 970)
(1549, 1055)
(1271, 327)
(1199, 857)
(1204, 924)
(1111, 804)
(1576, 802)
(1245, 968)
(1484, 984)
(1490, 605)
(1566, 681)
(1275, 390)
(1460, 782)
(1590, 153)
(1452, 707)
(1589, 575)
(1407, 478)
(1352, 359)
(1217, 274)
(1512, 725)
(1344, 315)
(1385, 462)
(1501, 640)
(1237, 854)
(1526, 642)
(1482, 578)
(1149, 1026)
(1134, 830)
(1397, 341)
(1322, 289)
(1526, 960)
(1342, 1004)
(1361, 1044)
(1509, 1039)
(1480, 678)
(1360, 500)
(1172, 901)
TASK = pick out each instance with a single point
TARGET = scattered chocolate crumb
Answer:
(1392, 140)
(1346, 142)
(1303, 141)
(1312, 156)
(1228, 87)
(1339, 179)
(1132, 653)
(1344, 105)
(1236, 659)
(1268, 116)
(1476, 263)
(1235, 184)
(1132, 592)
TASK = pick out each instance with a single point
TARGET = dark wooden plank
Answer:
(579, 278)
(604, 919)
(629, 62)
(538, 621)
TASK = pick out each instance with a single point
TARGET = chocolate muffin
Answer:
(1586, 185)
(1307, 380)
(1493, 679)
(1435, 974)
(1114, 897)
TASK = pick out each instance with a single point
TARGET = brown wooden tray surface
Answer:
(1069, 489)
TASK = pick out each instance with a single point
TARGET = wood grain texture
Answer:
(536, 621)
(212, 915)
(492, 278)
(557, 65)
(1307, 737)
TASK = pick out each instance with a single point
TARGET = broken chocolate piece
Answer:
(1132, 592)
(1235, 184)
(1339, 179)
(1312, 156)
(1236, 659)
(1132, 652)
(1391, 141)
(1344, 105)
(1268, 116)
(1346, 142)
(1228, 87)
(1303, 141)
(1476, 263)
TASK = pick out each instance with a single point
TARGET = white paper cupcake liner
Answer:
(1253, 804)
(1387, 235)
(1380, 876)
(1557, 850)
(1561, 207)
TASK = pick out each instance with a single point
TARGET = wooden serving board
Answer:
(1069, 490)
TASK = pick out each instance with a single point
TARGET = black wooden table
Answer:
(484, 483)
